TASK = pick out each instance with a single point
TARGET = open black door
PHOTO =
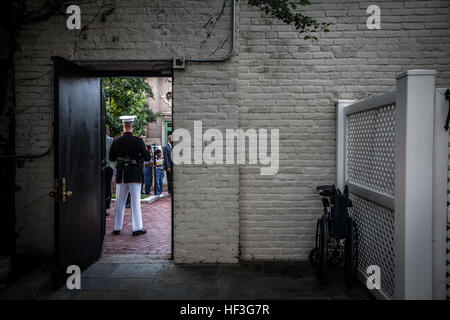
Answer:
(79, 152)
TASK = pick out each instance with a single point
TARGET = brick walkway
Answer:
(157, 221)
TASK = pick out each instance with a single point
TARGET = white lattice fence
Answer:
(389, 154)
(371, 149)
(369, 171)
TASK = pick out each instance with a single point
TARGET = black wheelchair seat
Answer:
(340, 203)
(325, 190)
(336, 234)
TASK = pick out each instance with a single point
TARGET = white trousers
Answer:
(122, 190)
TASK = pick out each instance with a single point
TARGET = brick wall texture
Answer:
(448, 223)
(275, 79)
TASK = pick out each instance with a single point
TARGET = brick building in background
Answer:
(156, 133)
(274, 79)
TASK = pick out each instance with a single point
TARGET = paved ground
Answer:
(119, 276)
(157, 221)
(138, 268)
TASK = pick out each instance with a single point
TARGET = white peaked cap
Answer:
(127, 118)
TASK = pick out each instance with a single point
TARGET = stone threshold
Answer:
(133, 258)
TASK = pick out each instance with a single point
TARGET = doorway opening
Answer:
(150, 99)
(80, 158)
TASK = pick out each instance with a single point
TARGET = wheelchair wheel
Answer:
(321, 249)
(350, 252)
(312, 256)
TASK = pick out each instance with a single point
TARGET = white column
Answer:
(414, 184)
(440, 169)
(340, 141)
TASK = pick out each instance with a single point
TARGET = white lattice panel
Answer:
(370, 149)
(375, 240)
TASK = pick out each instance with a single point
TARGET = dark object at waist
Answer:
(128, 162)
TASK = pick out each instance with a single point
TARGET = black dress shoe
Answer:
(139, 232)
(116, 232)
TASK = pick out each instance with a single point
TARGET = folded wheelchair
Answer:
(336, 236)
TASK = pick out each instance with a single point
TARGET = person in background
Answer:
(148, 173)
(159, 163)
(168, 164)
(109, 171)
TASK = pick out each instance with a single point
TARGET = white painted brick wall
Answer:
(275, 80)
(204, 232)
(288, 83)
(206, 198)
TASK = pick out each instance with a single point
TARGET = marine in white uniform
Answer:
(129, 152)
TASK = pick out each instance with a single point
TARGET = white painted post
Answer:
(340, 141)
(440, 168)
(414, 184)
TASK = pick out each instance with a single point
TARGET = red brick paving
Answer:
(156, 218)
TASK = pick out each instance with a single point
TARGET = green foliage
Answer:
(128, 96)
(285, 10)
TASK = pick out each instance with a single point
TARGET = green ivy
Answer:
(128, 96)
(286, 11)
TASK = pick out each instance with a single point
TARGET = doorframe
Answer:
(166, 129)
(161, 69)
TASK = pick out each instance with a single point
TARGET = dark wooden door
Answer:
(79, 155)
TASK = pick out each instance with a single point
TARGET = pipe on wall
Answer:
(197, 60)
(220, 59)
